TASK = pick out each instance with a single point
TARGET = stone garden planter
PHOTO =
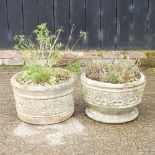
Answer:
(112, 103)
(44, 104)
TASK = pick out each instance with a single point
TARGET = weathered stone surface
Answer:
(13, 61)
(44, 104)
(6, 55)
(1, 61)
(11, 57)
(112, 103)
(112, 55)
(80, 134)
(137, 55)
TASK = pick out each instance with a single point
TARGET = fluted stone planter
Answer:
(112, 103)
(44, 104)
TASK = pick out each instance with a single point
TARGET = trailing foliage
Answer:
(113, 70)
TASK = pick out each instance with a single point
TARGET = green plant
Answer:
(113, 70)
(41, 46)
(42, 56)
(37, 74)
(74, 66)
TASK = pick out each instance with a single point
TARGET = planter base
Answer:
(105, 118)
(44, 120)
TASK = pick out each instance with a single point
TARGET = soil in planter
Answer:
(43, 76)
(113, 71)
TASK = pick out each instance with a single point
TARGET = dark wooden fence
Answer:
(111, 24)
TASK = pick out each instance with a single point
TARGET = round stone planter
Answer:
(112, 103)
(38, 104)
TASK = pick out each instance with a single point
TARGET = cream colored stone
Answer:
(1, 61)
(14, 61)
(112, 103)
(48, 104)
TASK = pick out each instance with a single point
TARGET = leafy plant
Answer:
(42, 56)
(41, 46)
(113, 70)
(40, 75)
(74, 66)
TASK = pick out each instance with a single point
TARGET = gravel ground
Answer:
(79, 135)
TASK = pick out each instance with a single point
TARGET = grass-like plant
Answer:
(113, 70)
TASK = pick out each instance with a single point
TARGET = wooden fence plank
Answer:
(46, 13)
(77, 16)
(139, 24)
(151, 25)
(62, 18)
(93, 23)
(124, 8)
(30, 15)
(108, 24)
(15, 17)
(124, 24)
(4, 34)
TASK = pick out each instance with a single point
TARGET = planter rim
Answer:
(94, 83)
(40, 88)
